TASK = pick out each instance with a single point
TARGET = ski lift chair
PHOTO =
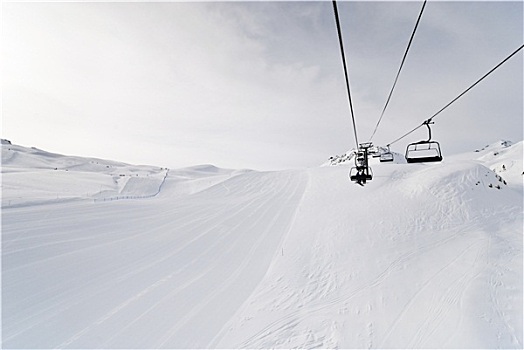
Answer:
(375, 152)
(362, 153)
(386, 156)
(360, 158)
(424, 151)
(360, 174)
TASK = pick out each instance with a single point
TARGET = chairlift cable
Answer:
(478, 81)
(399, 70)
(345, 70)
(406, 134)
(459, 96)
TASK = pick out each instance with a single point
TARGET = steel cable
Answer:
(345, 69)
(399, 70)
(462, 94)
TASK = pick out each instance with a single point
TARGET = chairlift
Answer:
(386, 156)
(375, 152)
(424, 151)
(361, 172)
(360, 158)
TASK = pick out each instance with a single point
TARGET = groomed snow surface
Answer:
(99, 254)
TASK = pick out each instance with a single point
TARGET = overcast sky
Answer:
(254, 84)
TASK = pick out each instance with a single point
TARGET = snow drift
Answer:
(425, 255)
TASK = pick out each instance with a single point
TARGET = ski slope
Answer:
(423, 256)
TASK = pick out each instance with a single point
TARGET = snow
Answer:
(423, 256)
(32, 176)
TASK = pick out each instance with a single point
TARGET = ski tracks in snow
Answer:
(190, 258)
(288, 199)
(265, 260)
(432, 303)
(287, 327)
(432, 254)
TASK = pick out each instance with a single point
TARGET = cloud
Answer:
(249, 84)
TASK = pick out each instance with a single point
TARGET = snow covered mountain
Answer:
(99, 254)
(32, 176)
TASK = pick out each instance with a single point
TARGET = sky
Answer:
(256, 85)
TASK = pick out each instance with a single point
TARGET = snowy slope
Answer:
(31, 176)
(425, 255)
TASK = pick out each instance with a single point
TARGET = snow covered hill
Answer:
(425, 255)
(31, 176)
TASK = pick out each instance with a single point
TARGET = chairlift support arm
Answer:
(427, 122)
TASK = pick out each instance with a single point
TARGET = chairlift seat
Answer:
(423, 152)
(386, 157)
(361, 174)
